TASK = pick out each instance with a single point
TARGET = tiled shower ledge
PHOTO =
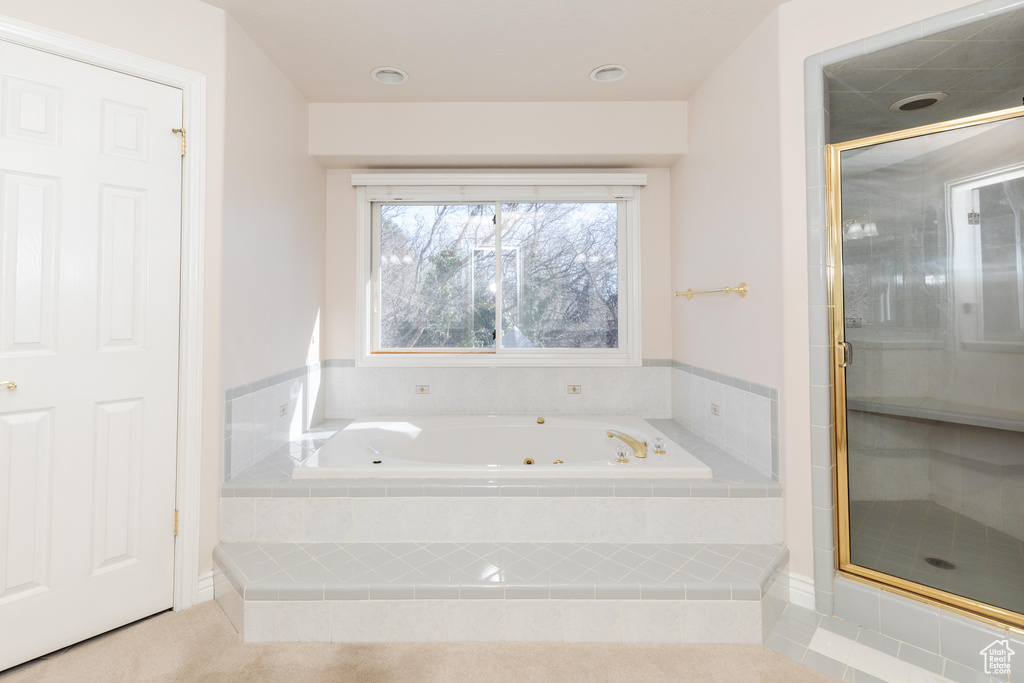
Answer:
(941, 411)
(271, 477)
(431, 571)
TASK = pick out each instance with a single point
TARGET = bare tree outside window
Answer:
(559, 276)
(561, 290)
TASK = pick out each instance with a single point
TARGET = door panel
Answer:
(90, 196)
(929, 291)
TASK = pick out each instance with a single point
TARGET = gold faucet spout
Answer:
(639, 447)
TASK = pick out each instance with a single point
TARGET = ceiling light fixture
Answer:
(608, 73)
(915, 102)
(389, 75)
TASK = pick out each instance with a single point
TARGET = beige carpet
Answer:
(200, 644)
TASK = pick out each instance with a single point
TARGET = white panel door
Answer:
(90, 224)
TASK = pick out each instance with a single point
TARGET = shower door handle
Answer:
(847, 350)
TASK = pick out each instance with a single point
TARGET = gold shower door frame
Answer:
(833, 165)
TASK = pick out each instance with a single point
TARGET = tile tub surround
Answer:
(363, 391)
(254, 423)
(417, 518)
(519, 592)
(747, 423)
(822, 447)
(735, 505)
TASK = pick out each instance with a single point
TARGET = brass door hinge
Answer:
(973, 218)
(175, 522)
(182, 131)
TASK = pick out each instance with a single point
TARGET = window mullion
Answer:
(497, 277)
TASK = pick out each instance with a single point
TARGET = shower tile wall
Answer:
(897, 288)
(747, 423)
(975, 471)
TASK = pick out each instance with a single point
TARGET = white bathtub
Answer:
(495, 446)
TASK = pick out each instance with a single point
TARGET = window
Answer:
(475, 273)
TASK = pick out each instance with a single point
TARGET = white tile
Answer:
(592, 621)
(229, 600)
(302, 621)
(426, 520)
(533, 621)
(878, 664)
(748, 621)
(483, 390)
(359, 621)
(525, 519)
(417, 620)
(671, 520)
(237, 520)
(279, 520)
(721, 520)
(650, 621)
(514, 392)
(376, 520)
(259, 621)
(574, 403)
(622, 520)
(475, 519)
(709, 621)
(654, 392)
(574, 519)
(476, 620)
(764, 520)
(831, 644)
(264, 421)
(328, 519)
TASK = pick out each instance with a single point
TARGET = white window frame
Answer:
(503, 187)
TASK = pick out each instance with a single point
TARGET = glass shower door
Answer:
(928, 325)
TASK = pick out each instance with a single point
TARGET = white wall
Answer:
(726, 218)
(342, 324)
(274, 217)
(479, 134)
(756, 143)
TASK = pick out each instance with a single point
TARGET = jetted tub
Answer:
(495, 446)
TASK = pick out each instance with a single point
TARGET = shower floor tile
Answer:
(896, 537)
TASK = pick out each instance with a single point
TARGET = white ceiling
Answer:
(497, 50)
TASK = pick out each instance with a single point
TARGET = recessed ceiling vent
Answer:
(608, 73)
(916, 102)
(389, 75)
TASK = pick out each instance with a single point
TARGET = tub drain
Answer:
(940, 563)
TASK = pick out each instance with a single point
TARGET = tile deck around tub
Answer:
(402, 571)
(271, 477)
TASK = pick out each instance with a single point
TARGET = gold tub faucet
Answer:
(639, 447)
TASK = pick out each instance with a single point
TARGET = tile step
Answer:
(552, 592)
(410, 571)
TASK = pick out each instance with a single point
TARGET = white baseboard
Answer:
(801, 591)
(204, 587)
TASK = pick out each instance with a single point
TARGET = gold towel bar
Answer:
(740, 289)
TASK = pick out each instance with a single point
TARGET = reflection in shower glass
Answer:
(933, 295)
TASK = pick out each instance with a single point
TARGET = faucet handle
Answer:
(659, 446)
(622, 452)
